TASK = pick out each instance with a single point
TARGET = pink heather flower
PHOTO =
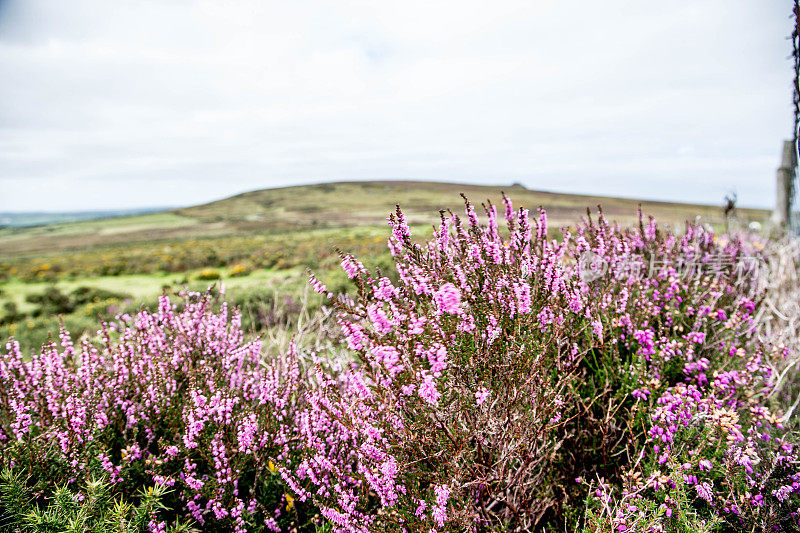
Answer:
(385, 290)
(171, 451)
(338, 518)
(379, 319)
(421, 508)
(417, 326)
(645, 339)
(439, 511)
(109, 467)
(696, 337)
(481, 396)
(522, 292)
(640, 394)
(438, 361)
(351, 267)
(448, 298)
(705, 464)
(389, 356)
(408, 390)
(442, 494)
(428, 391)
(317, 285)
(704, 490)
(156, 527)
(783, 493)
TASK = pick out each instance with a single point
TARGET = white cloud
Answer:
(118, 104)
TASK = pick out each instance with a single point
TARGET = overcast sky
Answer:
(112, 104)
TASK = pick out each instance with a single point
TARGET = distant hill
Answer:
(332, 205)
(369, 203)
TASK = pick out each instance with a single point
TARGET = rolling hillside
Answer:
(329, 205)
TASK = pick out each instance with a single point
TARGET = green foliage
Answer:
(10, 314)
(264, 251)
(87, 295)
(209, 274)
(51, 302)
(92, 508)
(77, 310)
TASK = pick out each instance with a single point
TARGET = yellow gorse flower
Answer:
(289, 502)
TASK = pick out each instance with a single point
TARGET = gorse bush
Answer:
(497, 380)
(76, 310)
(94, 508)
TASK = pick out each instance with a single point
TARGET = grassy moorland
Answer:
(330, 205)
(256, 241)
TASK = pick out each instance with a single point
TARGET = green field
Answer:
(259, 242)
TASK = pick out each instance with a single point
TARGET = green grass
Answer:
(33, 327)
(108, 226)
(142, 287)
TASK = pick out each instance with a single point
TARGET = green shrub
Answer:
(90, 508)
(209, 274)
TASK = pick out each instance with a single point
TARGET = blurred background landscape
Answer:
(258, 245)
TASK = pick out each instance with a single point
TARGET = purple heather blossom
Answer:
(439, 510)
(448, 298)
(481, 395)
(705, 491)
(428, 390)
(336, 432)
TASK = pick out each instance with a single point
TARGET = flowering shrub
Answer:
(176, 398)
(451, 416)
(501, 381)
(704, 450)
(92, 508)
(501, 369)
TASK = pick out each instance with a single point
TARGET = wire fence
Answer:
(794, 216)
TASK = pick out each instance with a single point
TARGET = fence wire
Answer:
(794, 218)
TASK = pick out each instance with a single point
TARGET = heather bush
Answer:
(176, 398)
(493, 379)
(704, 448)
(504, 369)
(451, 416)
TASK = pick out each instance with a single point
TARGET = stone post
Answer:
(785, 176)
